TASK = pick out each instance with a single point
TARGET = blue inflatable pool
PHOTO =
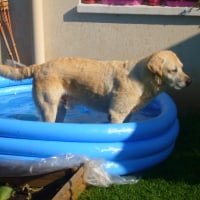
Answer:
(127, 148)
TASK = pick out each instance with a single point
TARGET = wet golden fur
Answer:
(116, 87)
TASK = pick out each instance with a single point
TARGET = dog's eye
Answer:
(173, 70)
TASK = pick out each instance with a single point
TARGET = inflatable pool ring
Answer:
(127, 148)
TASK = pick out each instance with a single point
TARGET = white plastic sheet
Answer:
(95, 174)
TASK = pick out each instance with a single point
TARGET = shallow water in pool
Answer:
(21, 106)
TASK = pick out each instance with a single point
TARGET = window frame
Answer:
(137, 9)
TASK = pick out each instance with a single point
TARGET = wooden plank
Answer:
(61, 185)
(73, 188)
(39, 180)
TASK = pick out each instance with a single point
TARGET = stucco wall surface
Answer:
(104, 36)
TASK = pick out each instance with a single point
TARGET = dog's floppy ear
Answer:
(155, 65)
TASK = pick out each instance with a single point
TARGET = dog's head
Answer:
(168, 69)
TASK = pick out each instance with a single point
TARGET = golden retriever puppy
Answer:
(116, 87)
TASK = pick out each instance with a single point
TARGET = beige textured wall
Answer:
(99, 36)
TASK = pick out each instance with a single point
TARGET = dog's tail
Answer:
(18, 73)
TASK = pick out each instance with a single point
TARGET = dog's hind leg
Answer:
(47, 100)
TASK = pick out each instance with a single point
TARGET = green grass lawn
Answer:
(177, 178)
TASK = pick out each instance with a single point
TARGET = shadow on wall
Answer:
(73, 16)
(188, 99)
(188, 51)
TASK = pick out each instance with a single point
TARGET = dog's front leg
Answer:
(115, 117)
(121, 107)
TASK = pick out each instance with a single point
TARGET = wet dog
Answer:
(116, 87)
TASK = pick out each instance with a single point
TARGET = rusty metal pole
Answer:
(5, 17)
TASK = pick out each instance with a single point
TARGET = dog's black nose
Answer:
(189, 81)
